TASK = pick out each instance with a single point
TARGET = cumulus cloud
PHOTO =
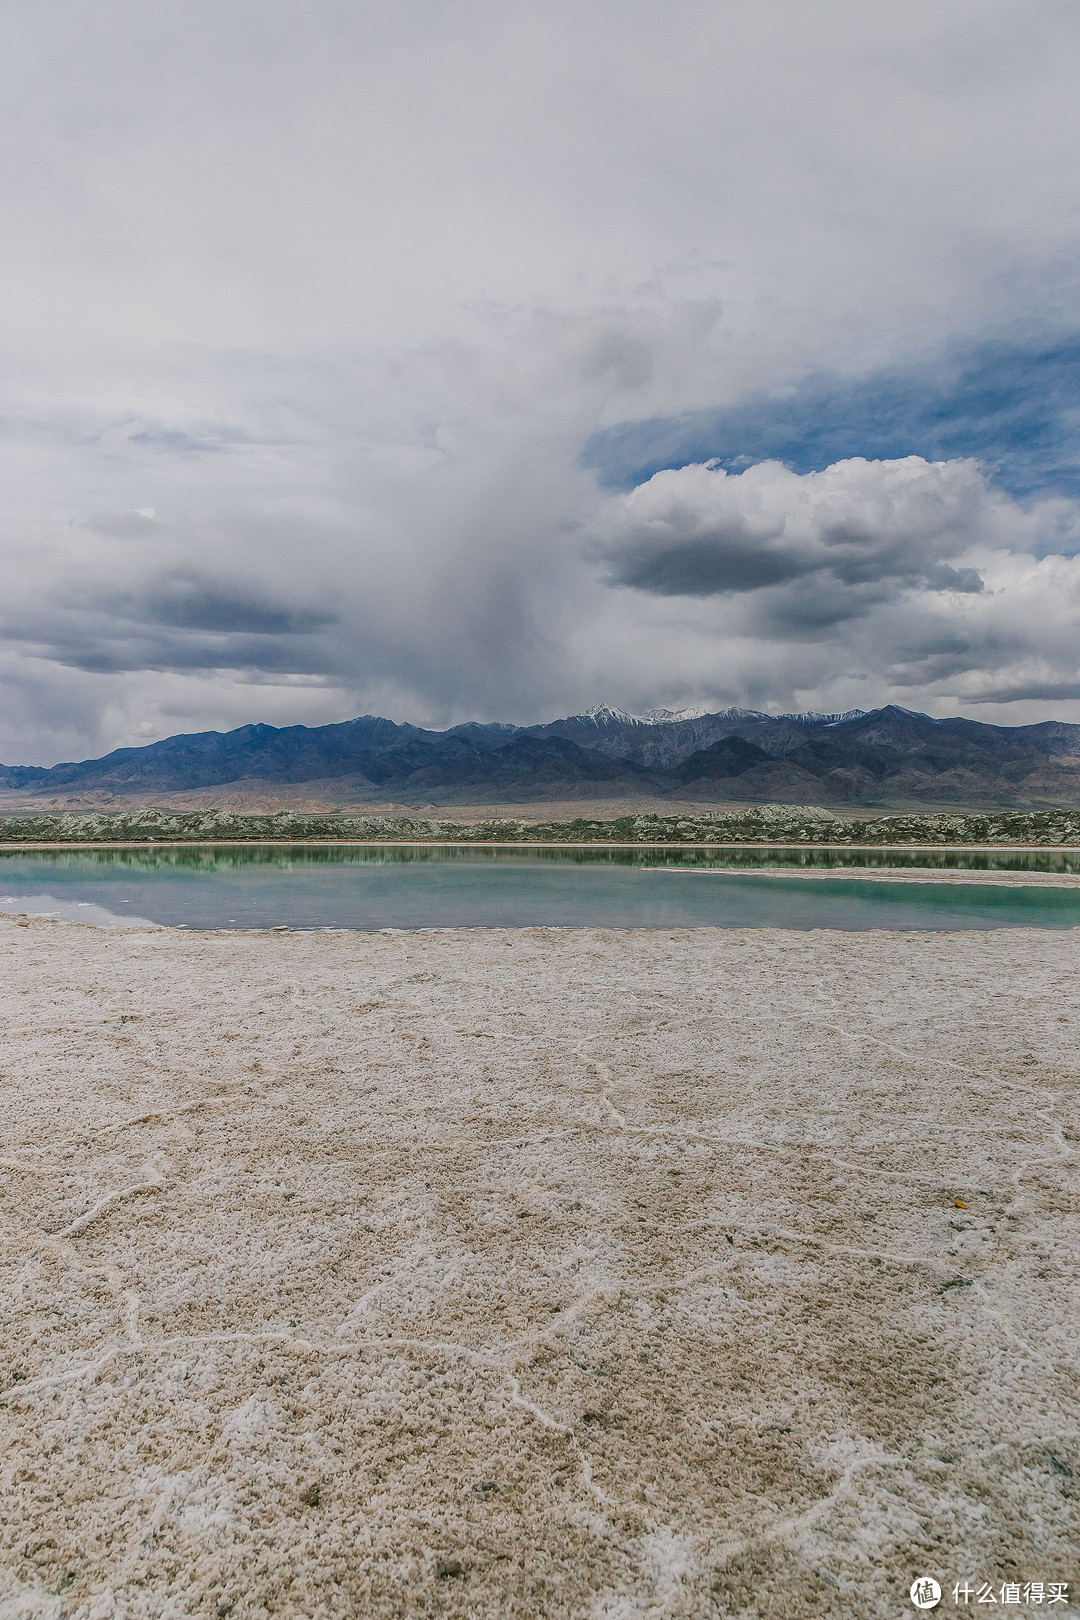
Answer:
(700, 531)
(865, 581)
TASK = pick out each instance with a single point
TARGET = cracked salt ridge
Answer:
(843, 1462)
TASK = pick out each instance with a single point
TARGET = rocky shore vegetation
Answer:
(758, 824)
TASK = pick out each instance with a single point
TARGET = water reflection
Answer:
(223, 859)
(437, 886)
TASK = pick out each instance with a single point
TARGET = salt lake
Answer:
(439, 886)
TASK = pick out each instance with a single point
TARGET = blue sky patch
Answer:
(1013, 406)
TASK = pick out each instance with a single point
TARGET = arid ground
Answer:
(306, 798)
(536, 1274)
(314, 798)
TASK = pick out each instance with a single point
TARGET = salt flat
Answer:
(536, 1273)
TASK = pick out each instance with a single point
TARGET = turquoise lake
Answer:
(423, 886)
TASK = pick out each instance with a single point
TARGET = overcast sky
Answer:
(492, 359)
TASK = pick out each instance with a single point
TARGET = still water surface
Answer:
(374, 886)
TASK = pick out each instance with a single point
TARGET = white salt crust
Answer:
(537, 1273)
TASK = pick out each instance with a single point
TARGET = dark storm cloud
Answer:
(719, 561)
(115, 654)
(1031, 691)
(191, 602)
(722, 562)
(183, 621)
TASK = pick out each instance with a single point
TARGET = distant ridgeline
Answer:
(889, 757)
(764, 824)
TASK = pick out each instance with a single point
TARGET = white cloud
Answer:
(857, 529)
(869, 581)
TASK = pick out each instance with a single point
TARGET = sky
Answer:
(489, 361)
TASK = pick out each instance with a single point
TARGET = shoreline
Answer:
(35, 846)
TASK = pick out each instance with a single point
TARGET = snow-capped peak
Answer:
(602, 714)
(662, 717)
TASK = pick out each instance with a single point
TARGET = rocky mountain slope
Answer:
(886, 757)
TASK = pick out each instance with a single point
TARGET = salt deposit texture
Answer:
(535, 1273)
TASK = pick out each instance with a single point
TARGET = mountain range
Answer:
(887, 757)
